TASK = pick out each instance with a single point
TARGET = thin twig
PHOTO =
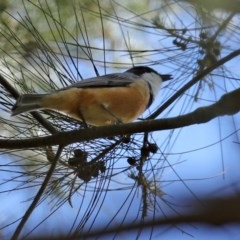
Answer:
(38, 195)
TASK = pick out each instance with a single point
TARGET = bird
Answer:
(99, 101)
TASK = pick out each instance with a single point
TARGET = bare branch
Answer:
(217, 212)
(228, 104)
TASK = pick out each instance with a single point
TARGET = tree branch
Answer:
(228, 104)
(217, 212)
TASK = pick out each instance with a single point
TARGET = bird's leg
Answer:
(83, 119)
(118, 121)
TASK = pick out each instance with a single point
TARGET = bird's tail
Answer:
(28, 103)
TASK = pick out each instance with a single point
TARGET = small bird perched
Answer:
(105, 100)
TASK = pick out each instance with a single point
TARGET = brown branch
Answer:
(217, 212)
(228, 104)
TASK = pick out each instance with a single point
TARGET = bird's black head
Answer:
(140, 70)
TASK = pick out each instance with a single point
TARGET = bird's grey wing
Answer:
(109, 80)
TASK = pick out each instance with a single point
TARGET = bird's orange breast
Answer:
(101, 106)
